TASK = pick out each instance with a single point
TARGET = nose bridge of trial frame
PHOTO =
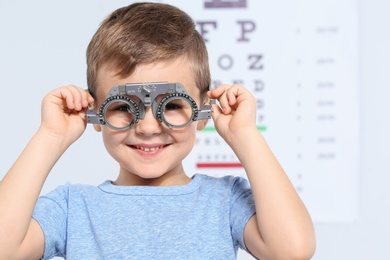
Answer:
(147, 92)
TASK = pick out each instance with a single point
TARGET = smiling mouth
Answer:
(148, 149)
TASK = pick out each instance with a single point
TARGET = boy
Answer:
(153, 210)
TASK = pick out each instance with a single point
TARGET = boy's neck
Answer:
(168, 179)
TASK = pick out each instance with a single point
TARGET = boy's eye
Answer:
(173, 106)
(121, 108)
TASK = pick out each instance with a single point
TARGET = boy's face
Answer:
(150, 153)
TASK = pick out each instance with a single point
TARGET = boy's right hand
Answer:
(63, 112)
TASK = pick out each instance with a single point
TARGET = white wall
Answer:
(37, 55)
(368, 237)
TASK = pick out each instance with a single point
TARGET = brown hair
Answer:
(144, 33)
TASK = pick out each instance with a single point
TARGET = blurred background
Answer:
(319, 72)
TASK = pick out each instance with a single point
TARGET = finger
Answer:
(216, 112)
(74, 97)
(220, 93)
(86, 98)
(231, 95)
(90, 98)
(66, 96)
(77, 97)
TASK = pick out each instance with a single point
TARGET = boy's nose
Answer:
(149, 125)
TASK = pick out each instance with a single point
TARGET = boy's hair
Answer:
(144, 33)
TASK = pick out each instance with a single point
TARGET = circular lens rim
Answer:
(162, 104)
(119, 98)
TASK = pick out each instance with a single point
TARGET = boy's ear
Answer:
(97, 127)
(202, 124)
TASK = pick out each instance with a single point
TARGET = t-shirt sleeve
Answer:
(50, 212)
(242, 207)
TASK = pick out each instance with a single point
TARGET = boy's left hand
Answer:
(237, 110)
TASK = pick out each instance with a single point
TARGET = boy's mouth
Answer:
(148, 149)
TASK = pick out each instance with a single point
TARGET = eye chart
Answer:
(299, 59)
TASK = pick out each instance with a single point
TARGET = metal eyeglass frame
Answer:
(147, 93)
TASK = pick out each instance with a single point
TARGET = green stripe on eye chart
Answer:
(261, 128)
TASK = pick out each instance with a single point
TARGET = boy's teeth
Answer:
(152, 149)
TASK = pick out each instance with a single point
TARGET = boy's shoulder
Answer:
(229, 181)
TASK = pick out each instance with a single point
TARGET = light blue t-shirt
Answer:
(204, 219)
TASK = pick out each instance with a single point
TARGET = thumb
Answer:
(217, 111)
